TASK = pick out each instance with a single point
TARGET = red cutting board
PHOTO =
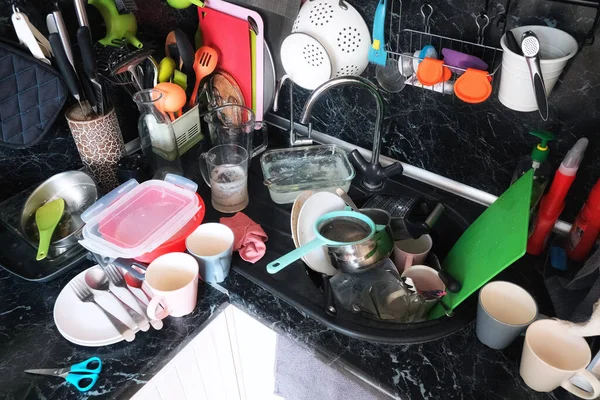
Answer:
(230, 37)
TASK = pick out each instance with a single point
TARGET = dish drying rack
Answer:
(402, 44)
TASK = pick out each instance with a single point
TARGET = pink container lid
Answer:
(135, 218)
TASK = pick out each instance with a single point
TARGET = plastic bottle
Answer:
(553, 203)
(586, 227)
(538, 160)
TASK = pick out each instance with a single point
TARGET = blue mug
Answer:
(212, 246)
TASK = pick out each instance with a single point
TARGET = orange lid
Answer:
(473, 86)
(447, 74)
(430, 71)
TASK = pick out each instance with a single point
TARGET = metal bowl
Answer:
(79, 192)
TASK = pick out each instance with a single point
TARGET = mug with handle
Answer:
(410, 252)
(173, 279)
(552, 356)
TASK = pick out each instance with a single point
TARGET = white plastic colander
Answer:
(342, 32)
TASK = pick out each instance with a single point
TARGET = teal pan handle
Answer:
(283, 261)
(377, 53)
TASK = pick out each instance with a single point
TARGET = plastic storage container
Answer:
(135, 219)
(176, 244)
(288, 172)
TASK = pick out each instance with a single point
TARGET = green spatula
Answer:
(494, 241)
(47, 218)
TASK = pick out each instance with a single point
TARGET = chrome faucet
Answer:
(294, 139)
(374, 175)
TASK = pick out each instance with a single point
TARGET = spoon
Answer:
(173, 98)
(47, 218)
(344, 196)
(96, 279)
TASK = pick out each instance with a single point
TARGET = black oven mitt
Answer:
(32, 95)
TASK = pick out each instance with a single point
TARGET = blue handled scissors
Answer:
(83, 375)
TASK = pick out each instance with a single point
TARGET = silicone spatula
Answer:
(47, 218)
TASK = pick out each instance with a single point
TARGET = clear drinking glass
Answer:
(156, 134)
(236, 124)
(226, 173)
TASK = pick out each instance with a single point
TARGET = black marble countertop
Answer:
(457, 366)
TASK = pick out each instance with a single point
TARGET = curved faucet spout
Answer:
(350, 80)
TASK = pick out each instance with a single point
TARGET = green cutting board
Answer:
(493, 242)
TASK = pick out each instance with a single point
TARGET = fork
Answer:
(116, 278)
(84, 294)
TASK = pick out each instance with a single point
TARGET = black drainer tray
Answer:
(294, 286)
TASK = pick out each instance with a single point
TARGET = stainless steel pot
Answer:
(364, 255)
(79, 192)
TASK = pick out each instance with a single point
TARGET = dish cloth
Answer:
(249, 237)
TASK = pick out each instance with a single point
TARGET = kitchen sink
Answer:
(300, 286)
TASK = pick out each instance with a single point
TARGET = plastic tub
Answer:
(135, 219)
(177, 242)
(557, 48)
(288, 172)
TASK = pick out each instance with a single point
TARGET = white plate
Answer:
(84, 323)
(317, 205)
(296, 208)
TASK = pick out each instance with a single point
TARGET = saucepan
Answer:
(79, 192)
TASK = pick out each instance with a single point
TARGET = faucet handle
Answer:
(373, 174)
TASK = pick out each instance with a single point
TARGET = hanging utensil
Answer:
(530, 45)
(28, 35)
(482, 21)
(426, 12)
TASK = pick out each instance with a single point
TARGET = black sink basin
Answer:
(295, 286)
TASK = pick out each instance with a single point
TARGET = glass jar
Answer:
(156, 133)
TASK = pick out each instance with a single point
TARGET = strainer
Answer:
(305, 60)
(341, 30)
(334, 229)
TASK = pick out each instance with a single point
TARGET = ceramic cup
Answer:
(425, 279)
(411, 251)
(173, 279)
(504, 311)
(212, 246)
(552, 356)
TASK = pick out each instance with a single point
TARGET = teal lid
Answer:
(540, 151)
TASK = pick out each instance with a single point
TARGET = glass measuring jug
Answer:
(226, 173)
(234, 124)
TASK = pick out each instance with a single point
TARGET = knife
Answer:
(65, 68)
(86, 48)
(59, 23)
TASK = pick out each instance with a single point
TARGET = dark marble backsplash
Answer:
(475, 144)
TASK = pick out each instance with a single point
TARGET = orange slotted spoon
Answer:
(205, 62)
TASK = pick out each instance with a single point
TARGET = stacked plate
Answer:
(85, 324)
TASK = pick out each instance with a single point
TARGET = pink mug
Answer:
(173, 279)
(409, 252)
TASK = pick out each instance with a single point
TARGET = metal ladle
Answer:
(96, 279)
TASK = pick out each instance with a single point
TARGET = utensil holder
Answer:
(187, 130)
(99, 143)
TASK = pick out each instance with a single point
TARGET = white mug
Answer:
(212, 246)
(409, 252)
(425, 279)
(552, 356)
(173, 279)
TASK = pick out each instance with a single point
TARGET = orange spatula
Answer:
(205, 62)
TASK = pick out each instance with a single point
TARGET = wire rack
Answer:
(403, 43)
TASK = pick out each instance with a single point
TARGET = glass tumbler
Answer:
(225, 170)
(234, 124)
